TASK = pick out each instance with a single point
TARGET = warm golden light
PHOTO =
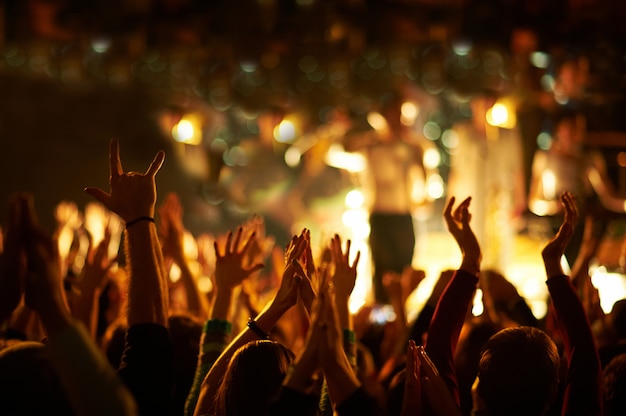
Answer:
(611, 287)
(340, 159)
(502, 114)
(477, 305)
(377, 121)
(355, 199)
(432, 158)
(409, 113)
(285, 132)
(548, 183)
(188, 131)
(435, 186)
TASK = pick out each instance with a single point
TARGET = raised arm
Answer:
(452, 308)
(230, 272)
(91, 384)
(147, 363)
(259, 327)
(583, 382)
(172, 233)
(343, 280)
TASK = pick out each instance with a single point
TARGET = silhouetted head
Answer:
(29, 384)
(253, 378)
(618, 319)
(614, 390)
(517, 373)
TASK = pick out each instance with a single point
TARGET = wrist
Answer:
(140, 219)
(471, 265)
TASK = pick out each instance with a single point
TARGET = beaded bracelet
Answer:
(136, 220)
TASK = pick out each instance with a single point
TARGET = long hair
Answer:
(253, 378)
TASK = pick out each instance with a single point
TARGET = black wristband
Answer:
(255, 328)
(136, 220)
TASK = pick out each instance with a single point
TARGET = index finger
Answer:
(156, 164)
(115, 165)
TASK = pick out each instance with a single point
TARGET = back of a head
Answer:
(253, 378)
(29, 384)
(614, 390)
(518, 372)
(618, 319)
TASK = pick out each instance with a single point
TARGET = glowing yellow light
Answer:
(432, 158)
(187, 131)
(548, 183)
(611, 287)
(285, 132)
(377, 121)
(354, 218)
(435, 186)
(497, 115)
(95, 218)
(502, 114)
(540, 208)
(477, 305)
(338, 158)
(409, 113)
(64, 241)
(175, 273)
(190, 246)
(205, 285)
(293, 156)
(355, 199)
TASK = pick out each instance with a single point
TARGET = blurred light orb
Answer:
(435, 186)
(540, 59)
(409, 113)
(285, 132)
(293, 156)
(355, 199)
(377, 121)
(432, 158)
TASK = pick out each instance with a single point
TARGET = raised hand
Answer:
(43, 288)
(12, 260)
(293, 273)
(171, 229)
(344, 276)
(458, 223)
(230, 269)
(555, 248)
(132, 194)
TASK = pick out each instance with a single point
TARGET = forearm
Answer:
(583, 389)
(446, 324)
(196, 302)
(213, 342)
(146, 295)
(86, 309)
(341, 381)
(222, 303)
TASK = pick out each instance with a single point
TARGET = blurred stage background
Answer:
(192, 77)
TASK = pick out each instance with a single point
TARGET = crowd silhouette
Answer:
(88, 330)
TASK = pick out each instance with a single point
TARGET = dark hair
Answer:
(253, 378)
(618, 318)
(185, 332)
(614, 392)
(29, 383)
(518, 372)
